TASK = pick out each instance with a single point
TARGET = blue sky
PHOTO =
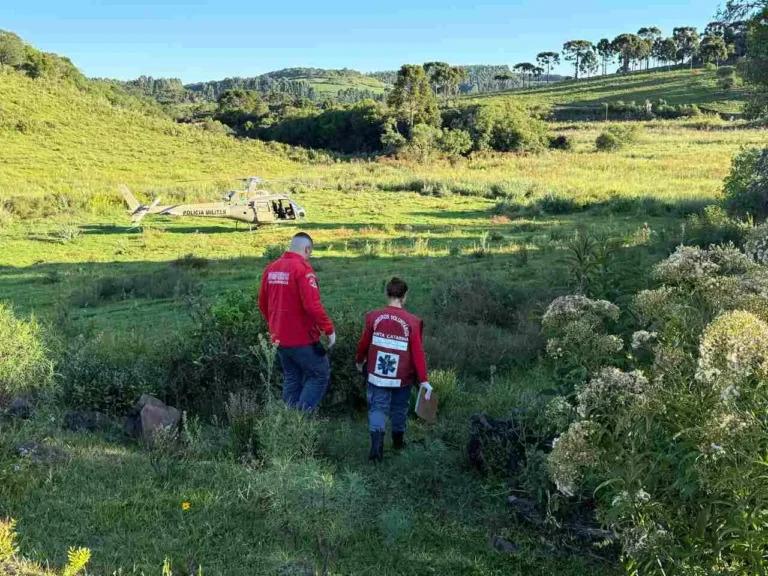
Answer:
(206, 40)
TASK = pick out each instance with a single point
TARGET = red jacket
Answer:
(392, 345)
(289, 300)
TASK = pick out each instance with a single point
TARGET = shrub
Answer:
(556, 203)
(670, 458)
(714, 226)
(608, 142)
(733, 353)
(746, 187)
(108, 373)
(616, 137)
(561, 142)
(423, 143)
(25, 363)
(215, 357)
(455, 143)
(346, 390)
(506, 128)
(575, 327)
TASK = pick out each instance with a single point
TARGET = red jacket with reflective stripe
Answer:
(392, 344)
(289, 300)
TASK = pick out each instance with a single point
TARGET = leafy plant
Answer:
(25, 361)
(77, 560)
(8, 547)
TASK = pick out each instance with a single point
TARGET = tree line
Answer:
(723, 40)
(421, 116)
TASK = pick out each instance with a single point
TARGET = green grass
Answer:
(329, 86)
(73, 149)
(697, 86)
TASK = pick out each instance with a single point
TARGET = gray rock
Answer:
(148, 416)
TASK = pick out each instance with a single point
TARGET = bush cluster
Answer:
(671, 445)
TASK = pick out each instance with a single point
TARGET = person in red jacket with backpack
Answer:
(391, 354)
(289, 300)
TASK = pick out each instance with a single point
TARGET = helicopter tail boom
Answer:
(130, 199)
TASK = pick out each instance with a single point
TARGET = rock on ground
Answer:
(148, 416)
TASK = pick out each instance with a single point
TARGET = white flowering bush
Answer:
(610, 392)
(690, 265)
(733, 353)
(675, 455)
(698, 285)
(574, 454)
(576, 329)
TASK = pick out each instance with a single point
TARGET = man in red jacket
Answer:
(289, 300)
(392, 353)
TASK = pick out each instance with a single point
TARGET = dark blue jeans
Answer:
(306, 374)
(383, 402)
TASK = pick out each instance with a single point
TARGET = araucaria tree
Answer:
(687, 40)
(412, 97)
(526, 71)
(444, 78)
(650, 36)
(575, 51)
(606, 52)
(547, 60)
(713, 49)
(630, 48)
(665, 50)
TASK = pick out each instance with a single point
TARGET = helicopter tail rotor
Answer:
(138, 215)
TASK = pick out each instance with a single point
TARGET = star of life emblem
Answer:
(386, 364)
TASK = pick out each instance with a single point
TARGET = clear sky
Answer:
(208, 40)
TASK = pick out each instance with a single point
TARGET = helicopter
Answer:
(252, 206)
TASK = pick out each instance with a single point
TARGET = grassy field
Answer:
(63, 151)
(697, 86)
(330, 85)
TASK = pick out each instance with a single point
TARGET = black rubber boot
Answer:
(398, 440)
(377, 447)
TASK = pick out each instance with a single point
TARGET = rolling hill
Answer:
(677, 87)
(66, 142)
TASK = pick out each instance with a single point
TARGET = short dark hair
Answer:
(397, 288)
(304, 235)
